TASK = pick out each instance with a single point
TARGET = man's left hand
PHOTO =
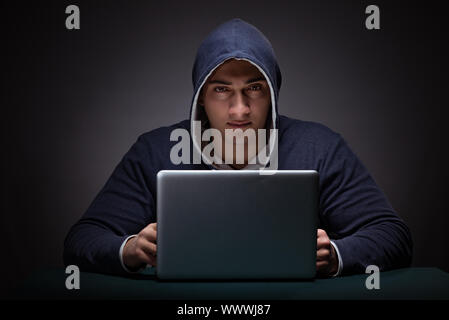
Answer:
(326, 257)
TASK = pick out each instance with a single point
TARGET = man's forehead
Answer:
(228, 78)
(236, 69)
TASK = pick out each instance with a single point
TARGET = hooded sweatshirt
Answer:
(355, 213)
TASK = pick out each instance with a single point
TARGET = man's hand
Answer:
(141, 249)
(326, 257)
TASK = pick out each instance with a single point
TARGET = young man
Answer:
(236, 82)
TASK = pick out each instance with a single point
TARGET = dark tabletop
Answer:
(403, 284)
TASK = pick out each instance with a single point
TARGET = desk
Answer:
(403, 284)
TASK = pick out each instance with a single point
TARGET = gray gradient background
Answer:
(75, 101)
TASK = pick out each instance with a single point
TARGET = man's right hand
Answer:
(141, 249)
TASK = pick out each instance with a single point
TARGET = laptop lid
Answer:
(238, 224)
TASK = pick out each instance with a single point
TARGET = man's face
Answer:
(236, 95)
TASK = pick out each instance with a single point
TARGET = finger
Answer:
(322, 265)
(323, 242)
(149, 234)
(150, 228)
(145, 258)
(323, 254)
(149, 247)
(152, 261)
(320, 232)
(145, 245)
(148, 259)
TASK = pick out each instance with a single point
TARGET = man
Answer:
(236, 82)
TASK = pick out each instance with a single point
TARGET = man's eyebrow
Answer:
(262, 78)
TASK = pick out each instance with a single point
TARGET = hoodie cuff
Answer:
(121, 257)
(340, 262)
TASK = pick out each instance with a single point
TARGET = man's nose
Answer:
(239, 106)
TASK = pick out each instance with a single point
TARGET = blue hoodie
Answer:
(352, 209)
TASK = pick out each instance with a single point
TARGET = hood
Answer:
(234, 39)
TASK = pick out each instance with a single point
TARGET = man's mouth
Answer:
(238, 124)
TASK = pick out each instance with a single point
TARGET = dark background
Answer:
(74, 101)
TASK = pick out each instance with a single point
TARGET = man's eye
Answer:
(220, 89)
(255, 87)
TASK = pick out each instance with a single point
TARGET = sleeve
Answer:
(357, 215)
(340, 263)
(123, 207)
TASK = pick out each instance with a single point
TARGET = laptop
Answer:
(241, 224)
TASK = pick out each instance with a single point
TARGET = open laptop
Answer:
(225, 224)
